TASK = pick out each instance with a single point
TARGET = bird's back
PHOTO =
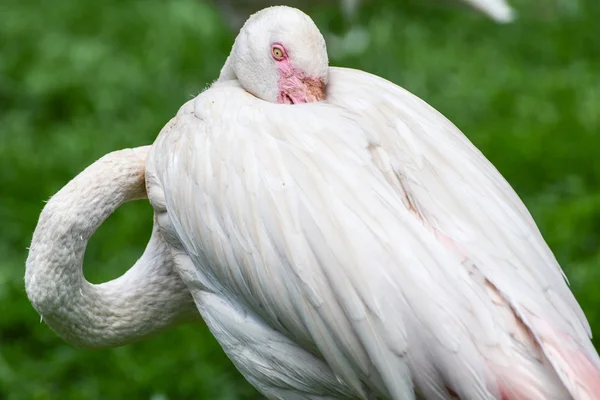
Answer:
(288, 215)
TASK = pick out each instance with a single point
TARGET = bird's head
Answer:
(279, 56)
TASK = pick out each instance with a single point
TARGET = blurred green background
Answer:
(81, 79)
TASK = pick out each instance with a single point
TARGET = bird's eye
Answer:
(278, 53)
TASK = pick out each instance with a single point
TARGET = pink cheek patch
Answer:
(288, 82)
(294, 87)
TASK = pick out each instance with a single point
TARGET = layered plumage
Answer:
(371, 232)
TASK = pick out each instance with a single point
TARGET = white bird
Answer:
(353, 244)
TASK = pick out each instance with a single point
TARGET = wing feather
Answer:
(283, 209)
(373, 234)
(455, 192)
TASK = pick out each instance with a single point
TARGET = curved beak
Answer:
(296, 90)
(314, 90)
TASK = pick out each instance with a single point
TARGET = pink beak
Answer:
(296, 90)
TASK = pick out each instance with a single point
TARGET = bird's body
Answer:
(368, 233)
(352, 244)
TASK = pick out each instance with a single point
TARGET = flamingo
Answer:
(340, 238)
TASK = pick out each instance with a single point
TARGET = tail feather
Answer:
(538, 361)
(575, 369)
(576, 366)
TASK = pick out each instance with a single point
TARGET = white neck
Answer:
(148, 297)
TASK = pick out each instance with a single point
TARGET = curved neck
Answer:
(148, 297)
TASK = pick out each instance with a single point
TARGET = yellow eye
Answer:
(277, 53)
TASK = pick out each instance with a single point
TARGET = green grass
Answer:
(78, 80)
